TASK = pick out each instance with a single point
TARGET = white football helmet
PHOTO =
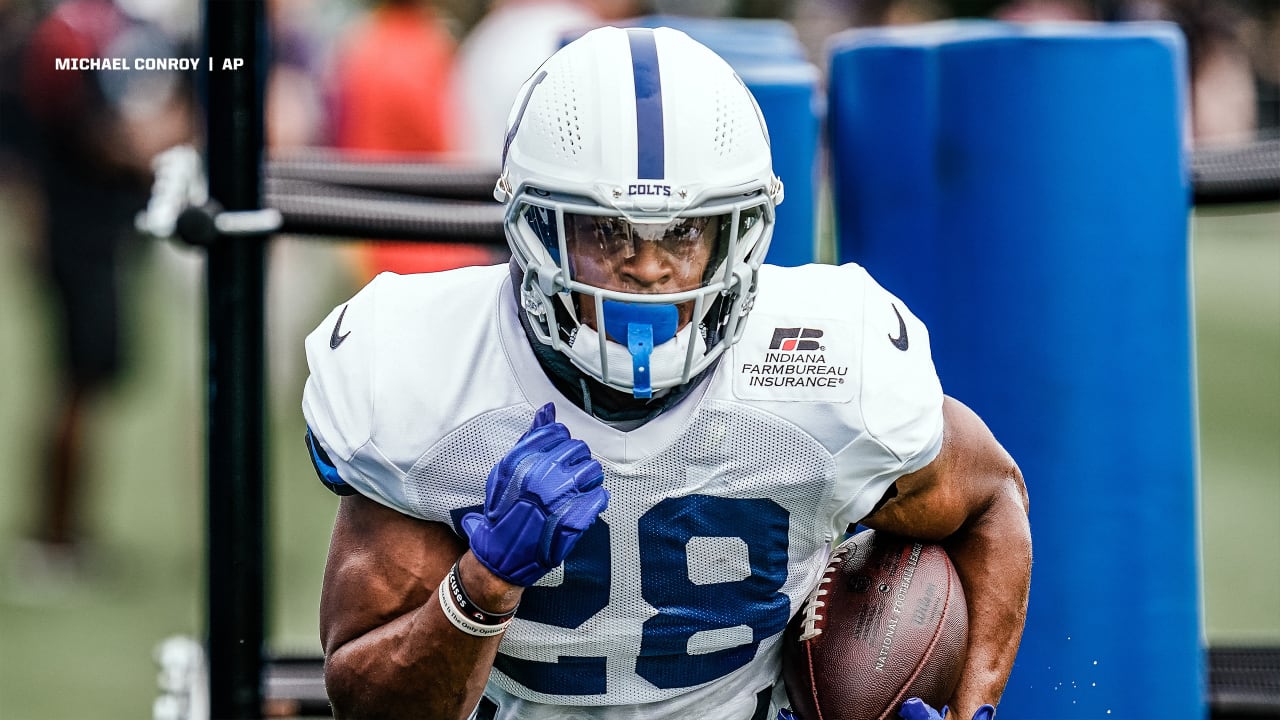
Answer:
(628, 139)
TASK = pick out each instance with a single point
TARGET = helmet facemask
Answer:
(633, 331)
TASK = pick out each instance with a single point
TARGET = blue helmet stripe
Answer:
(650, 144)
(524, 105)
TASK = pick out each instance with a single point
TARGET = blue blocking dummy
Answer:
(769, 58)
(1024, 189)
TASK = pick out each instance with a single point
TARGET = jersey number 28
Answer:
(752, 607)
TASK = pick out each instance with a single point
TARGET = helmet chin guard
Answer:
(629, 145)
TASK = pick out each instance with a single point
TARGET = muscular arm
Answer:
(972, 499)
(389, 650)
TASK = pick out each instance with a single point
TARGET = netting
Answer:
(409, 175)
(1237, 174)
(323, 192)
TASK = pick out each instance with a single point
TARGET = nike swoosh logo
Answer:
(899, 342)
(335, 339)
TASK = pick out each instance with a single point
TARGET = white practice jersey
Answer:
(722, 509)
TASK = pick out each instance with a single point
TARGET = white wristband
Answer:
(461, 621)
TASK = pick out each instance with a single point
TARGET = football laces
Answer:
(814, 603)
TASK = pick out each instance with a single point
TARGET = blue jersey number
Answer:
(753, 607)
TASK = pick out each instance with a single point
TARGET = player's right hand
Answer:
(539, 499)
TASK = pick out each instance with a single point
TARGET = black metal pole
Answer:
(235, 30)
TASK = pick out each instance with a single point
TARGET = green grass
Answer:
(90, 656)
(1237, 286)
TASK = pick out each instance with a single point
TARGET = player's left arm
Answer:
(972, 499)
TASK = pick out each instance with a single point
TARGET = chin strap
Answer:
(644, 327)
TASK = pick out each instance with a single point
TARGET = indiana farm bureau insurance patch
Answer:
(788, 360)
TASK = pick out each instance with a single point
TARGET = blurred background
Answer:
(102, 359)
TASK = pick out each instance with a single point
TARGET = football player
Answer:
(598, 482)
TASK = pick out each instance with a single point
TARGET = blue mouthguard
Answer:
(644, 327)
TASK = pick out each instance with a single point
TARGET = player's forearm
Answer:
(992, 555)
(419, 664)
(411, 667)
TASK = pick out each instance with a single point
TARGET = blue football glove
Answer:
(917, 709)
(539, 499)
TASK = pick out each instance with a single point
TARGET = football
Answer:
(887, 622)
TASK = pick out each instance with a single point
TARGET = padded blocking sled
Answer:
(1024, 190)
